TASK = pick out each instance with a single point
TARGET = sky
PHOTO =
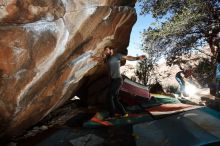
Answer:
(142, 23)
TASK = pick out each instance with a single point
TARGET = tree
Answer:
(203, 71)
(143, 70)
(182, 26)
(146, 67)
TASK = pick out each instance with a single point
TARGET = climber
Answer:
(114, 62)
(180, 79)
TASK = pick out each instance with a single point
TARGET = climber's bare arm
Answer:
(132, 58)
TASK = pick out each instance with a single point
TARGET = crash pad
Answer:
(197, 127)
(163, 99)
(101, 119)
(167, 109)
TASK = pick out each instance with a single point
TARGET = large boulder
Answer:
(46, 49)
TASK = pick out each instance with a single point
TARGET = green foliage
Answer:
(182, 26)
(156, 88)
(204, 72)
(144, 70)
(172, 89)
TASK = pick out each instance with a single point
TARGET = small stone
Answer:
(36, 128)
(43, 127)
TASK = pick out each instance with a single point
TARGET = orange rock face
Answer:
(46, 49)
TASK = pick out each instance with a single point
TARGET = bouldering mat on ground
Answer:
(197, 127)
(158, 99)
(167, 109)
(164, 99)
(101, 119)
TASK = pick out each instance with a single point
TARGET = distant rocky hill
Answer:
(166, 74)
(128, 70)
